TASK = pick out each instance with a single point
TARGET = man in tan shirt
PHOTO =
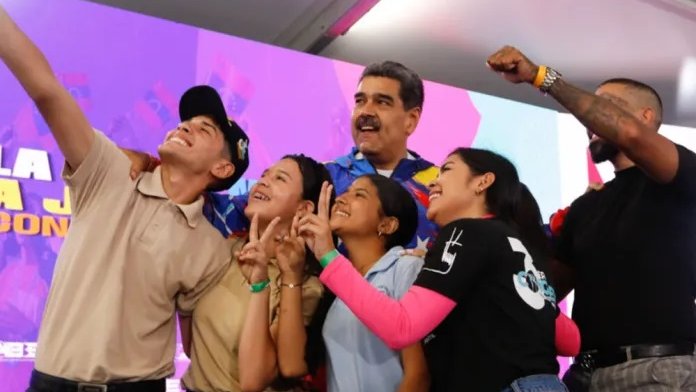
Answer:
(137, 251)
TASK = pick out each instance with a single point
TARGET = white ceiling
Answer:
(448, 40)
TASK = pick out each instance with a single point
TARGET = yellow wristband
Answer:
(541, 74)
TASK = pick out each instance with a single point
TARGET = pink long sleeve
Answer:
(398, 323)
(567, 336)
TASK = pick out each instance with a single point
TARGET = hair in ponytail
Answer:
(508, 198)
(529, 222)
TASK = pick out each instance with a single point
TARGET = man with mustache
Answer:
(137, 252)
(627, 249)
(388, 106)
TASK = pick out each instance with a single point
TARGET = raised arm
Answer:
(68, 124)
(292, 334)
(259, 366)
(399, 323)
(636, 137)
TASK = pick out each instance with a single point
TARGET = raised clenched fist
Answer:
(513, 65)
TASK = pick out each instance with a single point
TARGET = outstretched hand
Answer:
(513, 65)
(315, 228)
(253, 258)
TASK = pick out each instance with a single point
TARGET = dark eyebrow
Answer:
(281, 171)
(385, 97)
(359, 95)
(209, 124)
(446, 165)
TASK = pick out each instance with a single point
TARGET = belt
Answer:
(44, 382)
(603, 358)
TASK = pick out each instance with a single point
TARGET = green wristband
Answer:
(327, 258)
(259, 286)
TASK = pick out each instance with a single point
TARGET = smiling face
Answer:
(277, 193)
(454, 192)
(358, 211)
(381, 125)
(198, 145)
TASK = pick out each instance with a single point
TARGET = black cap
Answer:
(205, 100)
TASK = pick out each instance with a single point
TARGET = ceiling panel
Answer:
(260, 20)
(448, 40)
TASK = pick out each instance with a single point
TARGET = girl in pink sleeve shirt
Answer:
(482, 304)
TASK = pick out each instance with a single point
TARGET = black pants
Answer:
(577, 378)
(41, 382)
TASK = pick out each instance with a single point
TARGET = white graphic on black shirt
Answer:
(448, 254)
(428, 338)
(531, 284)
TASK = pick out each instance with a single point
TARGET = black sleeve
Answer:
(563, 245)
(684, 181)
(456, 259)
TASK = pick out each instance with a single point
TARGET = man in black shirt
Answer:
(628, 250)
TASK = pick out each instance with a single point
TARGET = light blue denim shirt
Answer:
(357, 360)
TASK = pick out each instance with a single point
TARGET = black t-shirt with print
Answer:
(633, 248)
(502, 327)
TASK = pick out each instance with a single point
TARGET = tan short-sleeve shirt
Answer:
(131, 258)
(217, 326)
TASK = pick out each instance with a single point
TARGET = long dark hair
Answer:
(508, 198)
(396, 202)
(313, 176)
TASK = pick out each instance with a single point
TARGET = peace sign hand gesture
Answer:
(290, 253)
(315, 228)
(253, 258)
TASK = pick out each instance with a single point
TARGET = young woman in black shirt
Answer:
(482, 303)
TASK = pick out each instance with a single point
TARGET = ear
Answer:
(388, 225)
(412, 119)
(306, 206)
(485, 181)
(648, 115)
(222, 169)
